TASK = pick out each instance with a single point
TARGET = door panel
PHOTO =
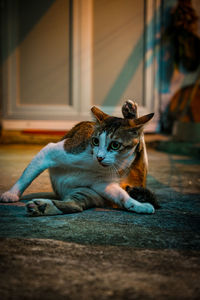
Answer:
(43, 54)
(118, 43)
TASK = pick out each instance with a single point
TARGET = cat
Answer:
(94, 165)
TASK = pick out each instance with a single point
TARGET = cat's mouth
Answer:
(103, 164)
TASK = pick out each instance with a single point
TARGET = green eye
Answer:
(95, 141)
(115, 145)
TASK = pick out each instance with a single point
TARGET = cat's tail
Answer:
(143, 195)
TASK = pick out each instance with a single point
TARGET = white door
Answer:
(60, 57)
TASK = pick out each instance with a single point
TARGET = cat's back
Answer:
(78, 138)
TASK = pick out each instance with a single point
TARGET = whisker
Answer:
(122, 168)
(113, 172)
(115, 166)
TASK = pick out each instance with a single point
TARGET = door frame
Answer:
(18, 116)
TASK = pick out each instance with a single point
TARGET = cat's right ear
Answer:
(140, 122)
(99, 115)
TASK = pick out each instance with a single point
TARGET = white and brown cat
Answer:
(94, 165)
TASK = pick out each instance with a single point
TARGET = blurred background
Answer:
(60, 57)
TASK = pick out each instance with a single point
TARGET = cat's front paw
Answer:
(9, 197)
(140, 208)
(41, 207)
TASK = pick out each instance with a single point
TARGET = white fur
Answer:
(9, 196)
(103, 144)
(70, 171)
(101, 150)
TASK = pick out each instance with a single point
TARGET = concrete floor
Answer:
(102, 253)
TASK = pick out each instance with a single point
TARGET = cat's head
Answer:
(115, 140)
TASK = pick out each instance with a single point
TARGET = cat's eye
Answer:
(95, 141)
(115, 145)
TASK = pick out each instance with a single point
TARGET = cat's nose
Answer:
(100, 158)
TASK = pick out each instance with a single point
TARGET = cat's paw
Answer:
(130, 110)
(9, 197)
(140, 208)
(145, 208)
(41, 207)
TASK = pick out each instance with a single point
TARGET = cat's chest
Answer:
(63, 180)
(73, 177)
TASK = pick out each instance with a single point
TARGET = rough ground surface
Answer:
(102, 253)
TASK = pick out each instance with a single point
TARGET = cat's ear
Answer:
(99, 114)
(139, 123)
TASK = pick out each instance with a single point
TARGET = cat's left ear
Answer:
(99, 114)
(139, 123)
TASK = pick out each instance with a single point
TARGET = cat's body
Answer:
(91, 166)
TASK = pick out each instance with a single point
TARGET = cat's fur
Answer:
(91, 166)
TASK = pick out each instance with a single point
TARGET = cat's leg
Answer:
(77, 201)
(119, 196)
(46, 158)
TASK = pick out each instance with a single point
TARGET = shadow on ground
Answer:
(175, 226)
(107, 253)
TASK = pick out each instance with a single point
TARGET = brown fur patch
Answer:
(137, 172)
(78, 138)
